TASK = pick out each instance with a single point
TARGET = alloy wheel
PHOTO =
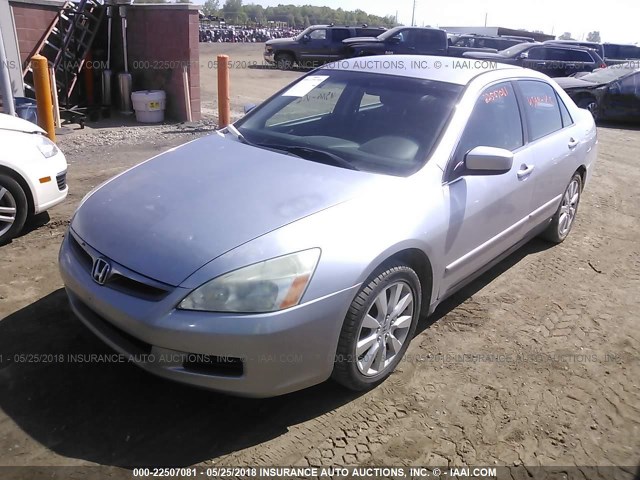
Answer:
(568, 207)
(384, 329)
(8, 210)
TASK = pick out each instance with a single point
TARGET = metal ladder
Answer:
(67, 44)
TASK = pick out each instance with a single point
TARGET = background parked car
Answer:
(552, 60)
(485, 41)
(315, 46)
(33, 174)
(409, 41)
(620, 53)
(598, 47)
(611, 93)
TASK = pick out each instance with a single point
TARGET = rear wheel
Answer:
(13, 208)
(562, 221)
(284, 61)
(378, 328)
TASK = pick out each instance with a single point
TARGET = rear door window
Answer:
(368, 32)
(541, 108)
(578, 56)
(339, 34)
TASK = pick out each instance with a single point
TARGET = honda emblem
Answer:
(100, 271)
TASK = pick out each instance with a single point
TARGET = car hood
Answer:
(353, 40)
(15, 124)
(280, 41)
(169, 216)
(571, 82)
(484, 55)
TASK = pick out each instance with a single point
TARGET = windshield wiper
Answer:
(236, 133)
(313, 154)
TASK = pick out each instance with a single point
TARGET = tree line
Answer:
(236, 13)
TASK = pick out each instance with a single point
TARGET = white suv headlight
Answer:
(267, 286)
(47, 147)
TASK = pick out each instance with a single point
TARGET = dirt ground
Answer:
(535, 363)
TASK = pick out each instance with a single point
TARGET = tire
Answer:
(364, 369)
(558, 230)
(284, 61)
(13, 206)
(591, 104)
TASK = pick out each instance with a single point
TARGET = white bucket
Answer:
(149, 105)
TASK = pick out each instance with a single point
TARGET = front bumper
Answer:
(279, 352)
(47, 178)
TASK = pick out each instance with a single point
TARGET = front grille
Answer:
(61, 180)
(133, 287)
(80, 253)
(117, 281)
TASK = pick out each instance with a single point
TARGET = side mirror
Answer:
(248, 107)
(306, 38)
(615, 87)
(394, 40)
(523, 55)
(488, 161)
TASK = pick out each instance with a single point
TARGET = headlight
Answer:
(262, 287)
(46, 146)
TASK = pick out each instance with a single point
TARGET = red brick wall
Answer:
(160, 41)
(32, 23)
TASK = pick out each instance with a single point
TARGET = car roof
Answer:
(331, 25)
(572, 42)
(407, 27)
(459, 71)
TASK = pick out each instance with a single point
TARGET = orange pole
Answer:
(88, 79)
(43, 95)
(224, 110)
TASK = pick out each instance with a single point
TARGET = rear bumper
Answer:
(279, 352)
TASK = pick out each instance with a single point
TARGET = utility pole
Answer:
(485, 18)
(396, 17)
(413, 15)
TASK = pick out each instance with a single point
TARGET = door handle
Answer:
(525, 170)
(573, 143)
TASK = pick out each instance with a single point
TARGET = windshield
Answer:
(306, 31)
(352, 119)
(612, 73)
(516, 49)
(390, 33)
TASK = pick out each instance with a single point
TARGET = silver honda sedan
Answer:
(305, 241)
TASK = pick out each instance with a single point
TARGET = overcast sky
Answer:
(617, 20)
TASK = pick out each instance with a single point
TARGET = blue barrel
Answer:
(26, 109)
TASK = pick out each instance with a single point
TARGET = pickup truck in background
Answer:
(315, 46)
(408, 40)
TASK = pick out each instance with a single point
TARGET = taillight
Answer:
(603, 65)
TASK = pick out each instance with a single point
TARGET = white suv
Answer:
(33, 174)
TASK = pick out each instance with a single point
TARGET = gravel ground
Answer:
(535, 363)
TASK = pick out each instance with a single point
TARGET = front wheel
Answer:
(284, 61)
(591, 104)
(13, 208)
(378, 328)
(564, 217)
